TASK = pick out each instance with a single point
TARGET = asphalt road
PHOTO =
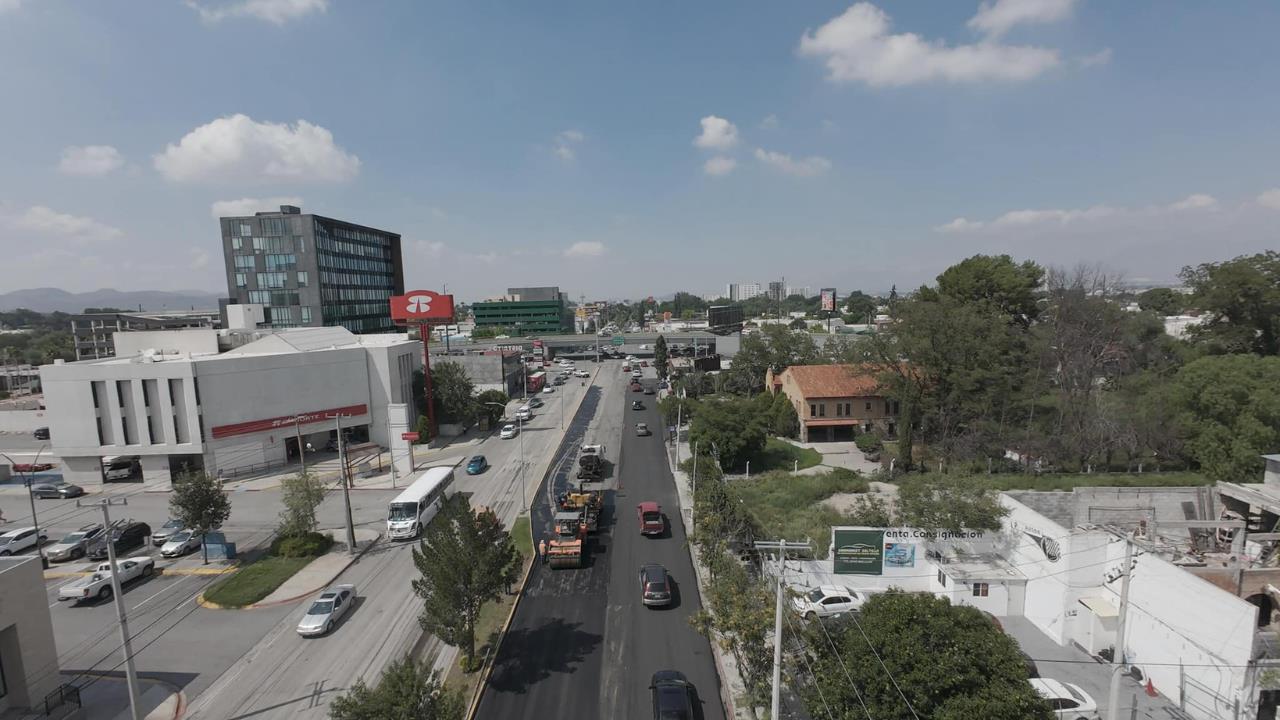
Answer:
(581, 643)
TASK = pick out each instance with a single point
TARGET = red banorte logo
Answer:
(422, 305)
(418, 303)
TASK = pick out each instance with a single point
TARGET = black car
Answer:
(637, 405)
(125, 536)
(41, 433)
(672, 696)
(59, 491)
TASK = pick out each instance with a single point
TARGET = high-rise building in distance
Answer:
(746, 291)
(776, 290)
(309, 270)
(802, 290)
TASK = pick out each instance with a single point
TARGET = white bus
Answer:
(419, 503)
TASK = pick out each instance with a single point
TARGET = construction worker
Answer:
(542, 549)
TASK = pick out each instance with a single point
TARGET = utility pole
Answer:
(131, 673)
(342, 475)
(29, 477)
(1117, 657)
(391, 450)
(693, 507)
(781, 546)
(297, 433)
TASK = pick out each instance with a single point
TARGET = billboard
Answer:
(857, 551)
(720, 315)
(422, 306)
(828, 300)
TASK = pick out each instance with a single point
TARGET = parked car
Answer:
(72, 546)
(1067, 700)
(180, 544)
(41, 433)
(327, 609)
(125, 535)
(649, 514)
(672, 695)
(642, 430)
(655, 585)
(507, 432)
(98, 585)
(27, 468)
(56, 491)
(167, 530)
(15, 541)
(477, 465)
(637, 405)
(826, 601)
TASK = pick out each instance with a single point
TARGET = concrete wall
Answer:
(487, 372)
(390, 382)
(27, 649)
(22, 421)
(186, 340)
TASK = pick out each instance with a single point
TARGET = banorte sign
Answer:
(422, 306)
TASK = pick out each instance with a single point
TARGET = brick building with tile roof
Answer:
(836, 402)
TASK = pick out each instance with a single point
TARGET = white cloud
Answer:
(272, 11)
(1054, 217)
(1098, 59)
(248, 206)
(238, 149)
(717, 134)
(1270, 199)
(804, 167)
(857, 47)
(9, 5)
(42, 219)
(586, 248)
(89, 160)
(565, 142)
(996, 18)
(1198, 201)
(719, 165)
(770, 122)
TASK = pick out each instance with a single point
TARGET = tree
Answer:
(1241, 302)
(775, 347)
(1161, 301)
(861, 306)
(485, 405)
(1227, 409)
(660, 356)
(301, 494)
(465, 559)
(197, 500)
(784, 421)
(1010, 288)
(734, 428)
(407, 690)
(798, 324)
(903, 643)
(948, 502)
(452, 391)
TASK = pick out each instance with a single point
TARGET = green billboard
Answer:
(618, 340)
(857, 551)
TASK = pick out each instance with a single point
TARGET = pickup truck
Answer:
(97, 585)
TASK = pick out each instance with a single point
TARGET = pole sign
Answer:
(857, 551)
(828, 299)
(422, 306)
(410, 436)
(618, 340)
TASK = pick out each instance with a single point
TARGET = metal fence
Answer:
(64, 695)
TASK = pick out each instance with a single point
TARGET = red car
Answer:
(650, 515)
(635, 387)
(644, 363)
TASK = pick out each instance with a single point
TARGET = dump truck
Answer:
(566, 549)
(591, 462)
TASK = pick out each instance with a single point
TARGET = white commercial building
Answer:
(29, 671)
(179, 404)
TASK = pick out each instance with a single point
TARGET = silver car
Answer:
(74, 545)
(180, 544)
(324, 613)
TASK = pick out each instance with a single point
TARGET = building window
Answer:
(242, 280)
(868, 406)
(244, 262)
(271, 280)
(942, 578)
(822, 410)
(813, 410)
(282, 261)
(302, 278)
(245, 230)
(981, 589)
(886, 407)
(306, 314)
(151, 432)
(272, 226)
(93, 389)
(237, 243)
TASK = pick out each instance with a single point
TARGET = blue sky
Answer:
(621, 149)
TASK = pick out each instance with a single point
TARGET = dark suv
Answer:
(126, 535)
(672, 696)
(655, 585)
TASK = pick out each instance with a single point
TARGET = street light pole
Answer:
(297, 433)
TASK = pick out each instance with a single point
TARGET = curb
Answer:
(502, 635)
(210, 605)
(56, 575)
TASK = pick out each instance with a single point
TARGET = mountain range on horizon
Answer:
(56, 300)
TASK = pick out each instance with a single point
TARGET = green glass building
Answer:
(524, 311)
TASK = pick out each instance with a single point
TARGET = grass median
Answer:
(260, 578)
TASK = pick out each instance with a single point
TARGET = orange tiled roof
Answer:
(834, 381)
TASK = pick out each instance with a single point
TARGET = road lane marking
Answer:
(162, 591)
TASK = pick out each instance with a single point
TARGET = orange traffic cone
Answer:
(1151, 689)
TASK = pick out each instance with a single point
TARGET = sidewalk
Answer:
(105, 696)
(323, 570)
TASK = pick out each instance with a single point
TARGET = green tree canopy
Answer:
(452, 391)
(948, 502)
(485, 407)
(1228, 410)
(407, 690)
(997, 281)
(1161, 301)
(466, 558)
(1241, 299)
(861, 306)
(300, 494)
(198, 501)
(949, 662)
(660, 356)
(733, 428)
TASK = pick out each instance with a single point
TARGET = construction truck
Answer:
(585, 501)
(591, 462)
(566, 549)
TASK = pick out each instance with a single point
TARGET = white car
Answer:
(637, 374)
(15, 541)
(1067, 700)
(180, 544)
(581, 373)
(827, 601)
(524, 413)
(325, 612)
(548, 390)
(507, 432)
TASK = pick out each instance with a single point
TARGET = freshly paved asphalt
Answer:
(581, 643)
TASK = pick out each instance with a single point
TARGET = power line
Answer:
(805, 658)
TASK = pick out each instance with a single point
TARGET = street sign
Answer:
(618, 340)
(410, 436)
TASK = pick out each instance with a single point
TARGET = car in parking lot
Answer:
(17, 540)
(180, 544)
(508, 432)
(126, 535)
(327, 609)
(655, 585)
(672, 695)
(73, 545)
(642, 430)
(56, 491)
(827, 601)
(477, 465)
(1068, 701)
(167, 530)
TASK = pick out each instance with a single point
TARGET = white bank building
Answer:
(174, 402)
